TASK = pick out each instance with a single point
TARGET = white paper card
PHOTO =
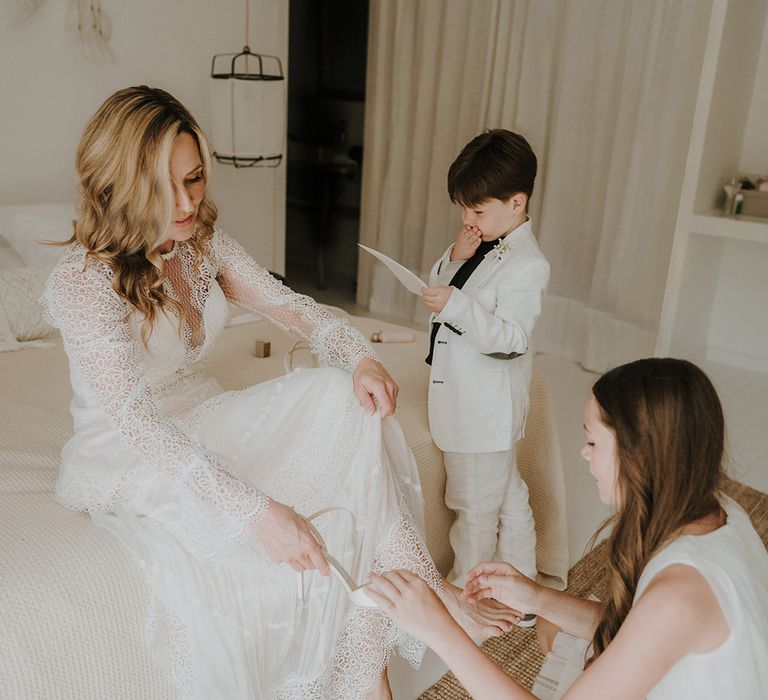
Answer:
(561, 667)
(410, 281)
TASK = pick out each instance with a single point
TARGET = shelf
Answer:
(741, 228)
(716, 297)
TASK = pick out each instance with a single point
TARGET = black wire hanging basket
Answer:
(249, 110)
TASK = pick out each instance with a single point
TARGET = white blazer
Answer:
(478, 398)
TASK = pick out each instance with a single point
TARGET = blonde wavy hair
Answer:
(126, 200)
(670, 440)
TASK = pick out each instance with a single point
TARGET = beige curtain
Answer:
(604, 90)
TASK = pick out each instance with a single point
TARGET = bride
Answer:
(209, 489)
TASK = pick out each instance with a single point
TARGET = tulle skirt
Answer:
(234, 626)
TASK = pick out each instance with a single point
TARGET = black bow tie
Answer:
(458, 280)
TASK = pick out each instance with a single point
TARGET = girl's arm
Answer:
(575, 616)
(480, 676)
(415, 608)
(678, 614)
(506, 584)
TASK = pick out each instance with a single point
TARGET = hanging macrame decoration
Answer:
(85, 18)
(93, 28)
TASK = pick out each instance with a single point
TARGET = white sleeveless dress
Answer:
(179, 470)
(735, 564)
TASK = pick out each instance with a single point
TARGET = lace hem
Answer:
(369, 636)
(364, 647)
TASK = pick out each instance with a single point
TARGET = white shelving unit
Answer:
(715, 309)
(715, 306)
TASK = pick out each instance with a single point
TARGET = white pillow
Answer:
(21, 316)
(25, 225)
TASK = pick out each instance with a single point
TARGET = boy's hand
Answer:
(466, 243)
(435, 298)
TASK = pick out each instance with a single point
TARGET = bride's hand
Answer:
(288, 538)
(504, 583)
(374, 387)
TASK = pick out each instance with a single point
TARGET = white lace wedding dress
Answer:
(179, 469)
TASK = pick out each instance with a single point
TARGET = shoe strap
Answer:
(316, 534)
(323, 511)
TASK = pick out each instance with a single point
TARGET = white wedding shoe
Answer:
(356, 594)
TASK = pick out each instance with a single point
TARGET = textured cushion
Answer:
(21, 316)
(25, 226)
(9, 258)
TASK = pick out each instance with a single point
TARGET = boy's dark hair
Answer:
(494, 165)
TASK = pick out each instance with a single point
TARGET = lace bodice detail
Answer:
(143, 389)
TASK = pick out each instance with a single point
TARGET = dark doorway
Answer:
(328, 42)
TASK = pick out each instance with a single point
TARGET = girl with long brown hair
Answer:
(201, 484)
(686, 610)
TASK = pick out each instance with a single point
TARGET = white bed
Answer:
(74, 605)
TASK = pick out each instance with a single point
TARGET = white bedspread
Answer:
(73, 605)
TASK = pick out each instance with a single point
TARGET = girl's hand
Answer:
(411, 603)
(466, 243)
(435, 298)
(504, 583)
(375, 387)
(288, 538)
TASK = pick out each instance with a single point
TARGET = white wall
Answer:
(739, 314)
(48, 90)
(754, 152)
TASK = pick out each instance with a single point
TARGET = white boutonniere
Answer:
(500, 249)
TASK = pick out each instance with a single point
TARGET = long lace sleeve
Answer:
(217, 508)
(249, 285)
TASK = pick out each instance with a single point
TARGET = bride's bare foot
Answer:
(481, 620)
(383, 691)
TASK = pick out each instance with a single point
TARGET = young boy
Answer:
(485, 294)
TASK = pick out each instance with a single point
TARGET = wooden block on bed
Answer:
(261, 348)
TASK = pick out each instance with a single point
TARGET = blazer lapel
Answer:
(485, 269)
(494, 259)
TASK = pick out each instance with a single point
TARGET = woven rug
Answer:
(518, 652)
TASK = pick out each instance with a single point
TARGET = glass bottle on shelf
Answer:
(730, 193)
(738, 203)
